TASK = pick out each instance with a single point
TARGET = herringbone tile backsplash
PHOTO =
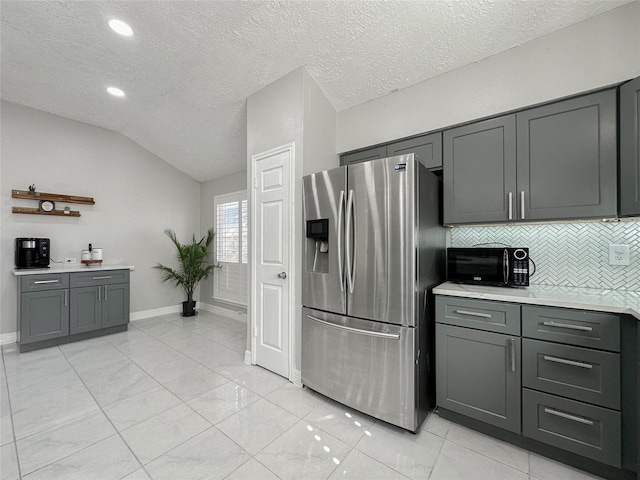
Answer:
(569, 254)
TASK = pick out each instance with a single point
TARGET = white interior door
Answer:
(271, 250)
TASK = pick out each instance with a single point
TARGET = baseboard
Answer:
(247, 357)
(7, 338)
(225, 312)
(154, 312)
(296, 378)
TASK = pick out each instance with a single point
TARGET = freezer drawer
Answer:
(366, 365)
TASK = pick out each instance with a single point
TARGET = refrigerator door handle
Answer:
(394, 336)
(340, 240)
(349, 243)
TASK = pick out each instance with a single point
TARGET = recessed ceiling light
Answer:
(116, 92)
(120, 27)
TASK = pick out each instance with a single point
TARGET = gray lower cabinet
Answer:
(478, 375)
(584, 429)
(53, 307)
(560, 384)
(630, 148)
(43, 315)
(99, 304)
(427, 148)
(557, 161)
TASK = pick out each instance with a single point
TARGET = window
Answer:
(230, 282)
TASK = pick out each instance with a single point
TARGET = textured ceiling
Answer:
(191, 65)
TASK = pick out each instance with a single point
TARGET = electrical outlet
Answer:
(70, 260)
(618, 254)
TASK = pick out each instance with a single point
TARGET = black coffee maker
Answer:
(32, 253)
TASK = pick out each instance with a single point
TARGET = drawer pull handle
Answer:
(567, 362)
(394, 336)
(570, 327)
(474, 314)
(568, 416)
(102, 278)
(40, 282)
(66, 297)
(513, 354)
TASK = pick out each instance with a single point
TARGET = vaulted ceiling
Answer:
(190, 65)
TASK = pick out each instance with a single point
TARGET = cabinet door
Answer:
(478, 375)
(630, 148)
(86, 308)
(115, 305)
(479, 171)
(44, 315)
(567, 159)
(427, 148)
(363, 155)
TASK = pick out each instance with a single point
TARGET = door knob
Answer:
(282, 275)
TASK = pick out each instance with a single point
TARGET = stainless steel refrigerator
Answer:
(374, 248)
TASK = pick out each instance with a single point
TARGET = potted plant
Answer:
(194, 266)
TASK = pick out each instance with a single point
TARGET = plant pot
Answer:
(189, 309)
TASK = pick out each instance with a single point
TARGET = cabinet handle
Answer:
(102, 278)
(40, 282)
(474, 314)
(567, 362)
(105, 293)
(510, 205)
(570, 327)
(99, 294)
(66, 297)
(522, 204)
(513, 354)
(575, 418)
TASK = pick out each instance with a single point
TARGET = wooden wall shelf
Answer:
(51, 196)
(37, 211)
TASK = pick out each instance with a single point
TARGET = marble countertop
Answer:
(70, 268)
(614, 301)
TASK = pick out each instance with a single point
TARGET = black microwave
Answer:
(505, 267)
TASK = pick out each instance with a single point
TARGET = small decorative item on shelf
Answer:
(47, 205)
(67, 210)
(32, 189)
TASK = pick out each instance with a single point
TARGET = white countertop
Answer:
(614, 301)
(70, 268)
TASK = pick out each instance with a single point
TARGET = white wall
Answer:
(208, 190)
(293, 109)
(137, 196)
(598, 52)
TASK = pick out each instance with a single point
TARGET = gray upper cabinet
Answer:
(364, 155)
(566, 159)
(553, 162)
(427, 148)
(630, 148)
(479, 171)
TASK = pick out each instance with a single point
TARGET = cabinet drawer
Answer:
(574, 327)
(592, 432)
(591, 376)
(35, 283)
(99, 277)
(485, 315)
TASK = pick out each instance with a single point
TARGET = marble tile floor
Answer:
(171, 398)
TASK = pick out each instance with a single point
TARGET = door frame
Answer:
(291, 274)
